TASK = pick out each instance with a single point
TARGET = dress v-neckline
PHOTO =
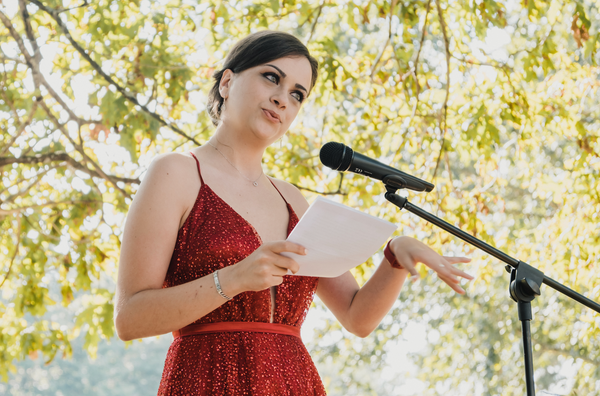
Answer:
(272, 289)
(254, 231)
(291, 215)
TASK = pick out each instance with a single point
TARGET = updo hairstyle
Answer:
(253, 50)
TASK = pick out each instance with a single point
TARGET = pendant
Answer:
(255, 184)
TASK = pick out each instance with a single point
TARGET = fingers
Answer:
(453, 285)
(450, 273)
(462, 274)
(286, 246)
(449, 261)
(286, 263)
(265, 271)
(446, 271)
(266, 266)
(456, 259)
(409, 252)
(279, 271)
(414, 274)
(407, 263)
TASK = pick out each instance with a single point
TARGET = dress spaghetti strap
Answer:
(198, 166)
(282, 197)
(202, 180)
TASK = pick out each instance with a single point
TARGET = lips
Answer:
(271, 115)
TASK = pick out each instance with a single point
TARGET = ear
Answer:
(225, 83)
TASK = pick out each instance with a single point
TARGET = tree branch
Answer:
(3, 57)
(414, 70)
(337, 192)
(55, 15)
(45, 205)
(8, 102)
(81, 150)
(387, 42)
(37, 55)
(16, 37)
(314, 25)
(12, 260)
(319, 192)
(35, 66)
(63, 157)
(33, 63)
(444, 109)
(61, 10)
(574, 355)
(22, 127)
(25, 190)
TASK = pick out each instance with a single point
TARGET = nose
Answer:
(279, 99)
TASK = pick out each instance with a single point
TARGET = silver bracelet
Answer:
(218, 285)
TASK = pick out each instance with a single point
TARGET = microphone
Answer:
(342, 158)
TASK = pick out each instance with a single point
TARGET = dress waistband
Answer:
(229, 327)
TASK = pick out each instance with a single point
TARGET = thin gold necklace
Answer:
(254, 182)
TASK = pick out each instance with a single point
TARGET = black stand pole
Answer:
(524, 286)
(525, 316)
(525, 280)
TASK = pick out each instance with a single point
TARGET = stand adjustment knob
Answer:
(524, 290)
(531, 286)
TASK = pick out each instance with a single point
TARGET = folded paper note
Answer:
(337, 238)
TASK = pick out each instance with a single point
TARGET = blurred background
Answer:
(497, 103)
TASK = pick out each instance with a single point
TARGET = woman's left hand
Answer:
(409, 252)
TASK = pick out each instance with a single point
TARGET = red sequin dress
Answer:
(236, 362)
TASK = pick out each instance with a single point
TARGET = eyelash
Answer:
(300, 97)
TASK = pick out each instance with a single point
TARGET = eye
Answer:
(298, 95)
(273, 77)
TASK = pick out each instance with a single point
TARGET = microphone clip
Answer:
(393, 183)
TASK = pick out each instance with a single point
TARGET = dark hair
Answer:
(253, 50)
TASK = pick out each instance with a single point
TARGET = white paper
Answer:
(337, 238)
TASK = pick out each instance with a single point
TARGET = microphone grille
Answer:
(336, 156)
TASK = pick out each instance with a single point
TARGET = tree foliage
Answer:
(496, 102)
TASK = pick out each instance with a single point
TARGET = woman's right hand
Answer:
(264, 268)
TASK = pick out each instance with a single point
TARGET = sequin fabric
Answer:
(237, 363)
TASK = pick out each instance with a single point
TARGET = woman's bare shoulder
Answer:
(176, 162)
(176, 167)
(173, 175)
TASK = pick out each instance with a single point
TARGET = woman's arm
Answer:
(142, 307)
(360, 310)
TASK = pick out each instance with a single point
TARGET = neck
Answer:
(242, 152)
(245, 160)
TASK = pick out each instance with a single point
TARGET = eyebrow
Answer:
(285, 75)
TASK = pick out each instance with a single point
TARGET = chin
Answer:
(269, 132)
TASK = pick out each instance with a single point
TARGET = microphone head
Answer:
(336, 156)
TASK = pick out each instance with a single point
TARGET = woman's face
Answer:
(265, 99)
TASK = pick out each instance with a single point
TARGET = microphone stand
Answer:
(525, 280)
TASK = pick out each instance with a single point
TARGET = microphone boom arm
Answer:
(403, 203)
(525, 280)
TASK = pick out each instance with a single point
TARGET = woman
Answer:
(201, 249)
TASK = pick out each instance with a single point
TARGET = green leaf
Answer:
(127, 141)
